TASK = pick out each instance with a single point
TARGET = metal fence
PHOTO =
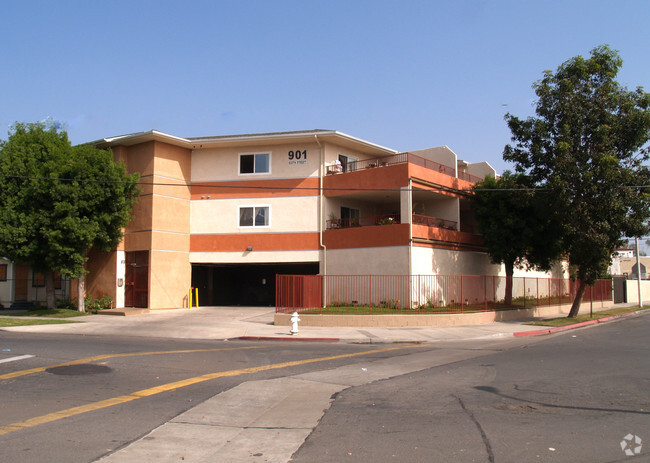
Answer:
(374, 294)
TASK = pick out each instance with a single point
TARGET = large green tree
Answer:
(57, 201)
(588, 145)
(518, 223)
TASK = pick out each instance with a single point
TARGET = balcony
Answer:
(402, 158)
(359, 232)
(371, 177)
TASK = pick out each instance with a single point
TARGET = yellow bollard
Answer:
(196, 297)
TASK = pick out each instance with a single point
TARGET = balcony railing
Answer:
(390, 219)
(434, 222)
(400, 159)
(384, 219)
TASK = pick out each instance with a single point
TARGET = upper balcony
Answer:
(393, 172)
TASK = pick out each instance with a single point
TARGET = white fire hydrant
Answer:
(294, 323)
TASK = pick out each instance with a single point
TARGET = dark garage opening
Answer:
(243, 284)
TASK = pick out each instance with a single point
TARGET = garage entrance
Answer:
(243, 284)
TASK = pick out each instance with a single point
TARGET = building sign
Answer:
(297, 157)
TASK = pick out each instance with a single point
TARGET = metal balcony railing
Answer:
(401, 159)
(368, 221)
(434, 222)
(390, 219)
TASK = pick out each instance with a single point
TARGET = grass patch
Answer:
(8, 321)
(50, 313)
(563, 321)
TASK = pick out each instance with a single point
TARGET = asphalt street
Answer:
(571, 397)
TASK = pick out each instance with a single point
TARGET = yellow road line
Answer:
(6, 429)
(16, 374)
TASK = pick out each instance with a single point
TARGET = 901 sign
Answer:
(297, 155)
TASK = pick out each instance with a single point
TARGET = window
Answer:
(349, 217)
(38, 280)
(254, 216)
(257, 163)
(3, 272)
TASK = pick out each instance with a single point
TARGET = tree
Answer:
(58, 201)
(518, 224)
(587, 144)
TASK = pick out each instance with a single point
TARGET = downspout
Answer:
(321, 171)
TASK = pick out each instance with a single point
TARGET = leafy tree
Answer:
(58, 201)
(587, 144)
(518, 224)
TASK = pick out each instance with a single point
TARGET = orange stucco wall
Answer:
(101, 277)
(259, 242)
(367, 237)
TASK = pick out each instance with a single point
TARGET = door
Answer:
(136, 290)
(21, 282)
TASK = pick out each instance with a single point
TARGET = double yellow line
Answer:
(6, 429)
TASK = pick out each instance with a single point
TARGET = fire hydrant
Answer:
(294, 323)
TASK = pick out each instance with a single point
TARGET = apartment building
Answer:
(225, 214)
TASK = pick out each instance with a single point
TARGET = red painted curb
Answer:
(285, 338)
(570, 327)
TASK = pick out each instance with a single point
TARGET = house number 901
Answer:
(298, 155)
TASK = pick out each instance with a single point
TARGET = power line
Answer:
(276, 187)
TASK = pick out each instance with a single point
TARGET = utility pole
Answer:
(638, 269)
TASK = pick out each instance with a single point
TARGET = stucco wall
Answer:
(633, 291)
(290, 214)
(221, 164)
(390, 260)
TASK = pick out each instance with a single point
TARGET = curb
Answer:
(573, 326)
(285, 338)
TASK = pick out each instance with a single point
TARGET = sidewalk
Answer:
(256, 323)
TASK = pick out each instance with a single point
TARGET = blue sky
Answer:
(402, 74)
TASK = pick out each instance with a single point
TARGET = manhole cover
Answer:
(81, 369)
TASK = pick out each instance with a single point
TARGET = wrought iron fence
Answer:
(377, 294)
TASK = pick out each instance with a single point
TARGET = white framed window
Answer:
(254, 163)
(254, 216)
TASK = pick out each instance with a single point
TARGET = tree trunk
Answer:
(510, 270)
(81, 294)
(575, 308)
(50, 298)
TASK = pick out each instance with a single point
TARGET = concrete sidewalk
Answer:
(220, 323)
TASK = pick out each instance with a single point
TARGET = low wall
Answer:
(454, 319)
(632, 290)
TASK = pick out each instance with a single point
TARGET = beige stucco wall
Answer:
(169, 279)
(433, 261)
(480, 169)
(441, 154)
(254, 257)
(289, 214)
(390, 260)
(222, 164)
(633, 291)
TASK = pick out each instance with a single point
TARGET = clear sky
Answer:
(403, 74)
